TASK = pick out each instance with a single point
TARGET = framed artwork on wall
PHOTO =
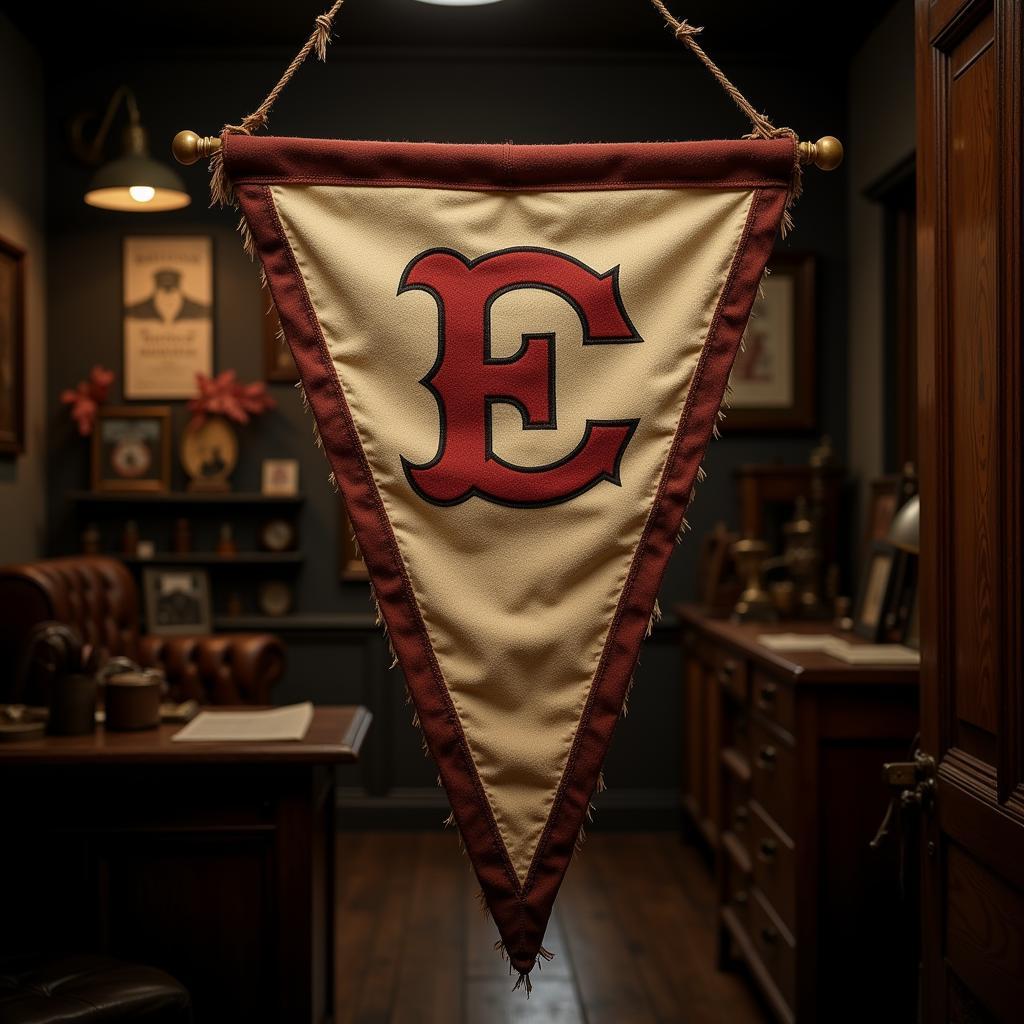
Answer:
(168, 314)
(350, 563)
(12, 349)
(177, 601)
(131, 448)
(774, 379)
(278, 365)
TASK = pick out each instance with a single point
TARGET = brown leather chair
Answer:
(97, 596)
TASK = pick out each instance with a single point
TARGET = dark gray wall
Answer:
(22, 217)
(472, 97)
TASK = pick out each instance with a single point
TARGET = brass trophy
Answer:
(755, 604)
(802, 557)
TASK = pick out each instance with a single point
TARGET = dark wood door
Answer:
(969, 309)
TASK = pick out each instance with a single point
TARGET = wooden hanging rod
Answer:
(188, 148)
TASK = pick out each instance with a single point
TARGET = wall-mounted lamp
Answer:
(134, 182)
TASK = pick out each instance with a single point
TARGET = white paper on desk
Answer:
(873, 654)
(263, 726)
(793, 642)
(840, 649)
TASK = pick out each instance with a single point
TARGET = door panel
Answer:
(970, 385)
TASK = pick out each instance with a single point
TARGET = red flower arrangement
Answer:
(86, 398)
(224, 395)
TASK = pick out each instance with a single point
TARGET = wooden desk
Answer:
(214, 861)
(782, 780)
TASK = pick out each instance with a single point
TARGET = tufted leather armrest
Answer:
(231, 668)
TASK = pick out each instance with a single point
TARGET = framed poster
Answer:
(131, 448)
(774, 377)
(168, 314)
(12, 349)
(177, 601)
(278, 365)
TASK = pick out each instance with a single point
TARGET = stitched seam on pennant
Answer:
(392, 543)
(599, 185)
(599, 678)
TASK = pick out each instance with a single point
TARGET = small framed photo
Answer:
(177, 601)
(876, 592)
(280, 478)
(351, 567)
(131, 449)
(278, 365)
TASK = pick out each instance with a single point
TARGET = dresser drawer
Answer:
(774, 699)
(774, 864)
(773, 775)
(774, 945)
(734, 880)
(735, 801)
(730, 671)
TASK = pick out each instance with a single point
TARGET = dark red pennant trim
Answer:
(263, 160)
(521, 913)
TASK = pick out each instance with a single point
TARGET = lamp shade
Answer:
(905, 532)
(136, 183)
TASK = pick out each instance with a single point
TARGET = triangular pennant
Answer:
(515, 356)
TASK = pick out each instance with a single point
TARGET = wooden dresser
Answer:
(782, 780)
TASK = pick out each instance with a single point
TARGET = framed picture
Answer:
(131, 448)
(774, 377)
(177, 601)
(280, 478)
(168, 314)
(278, 364)
(870, 613)
(350, 564)
(882, 504)
(12, 349)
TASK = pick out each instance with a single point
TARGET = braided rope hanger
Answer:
(826, 153)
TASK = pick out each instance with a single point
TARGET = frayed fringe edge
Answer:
(523, 981)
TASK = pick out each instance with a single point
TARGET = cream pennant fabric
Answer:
(515, 357)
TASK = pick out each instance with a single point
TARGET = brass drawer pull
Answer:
(766, 758)
(766, 851)
(766, 696)
(727, 671)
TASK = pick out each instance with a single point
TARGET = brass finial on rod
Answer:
(188, 148)
(826, 154)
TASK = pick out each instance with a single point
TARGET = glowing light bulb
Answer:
(142, 193)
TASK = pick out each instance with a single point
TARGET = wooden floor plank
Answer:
(430, 982)
(633, 933)
(395, 859)
(607, 975)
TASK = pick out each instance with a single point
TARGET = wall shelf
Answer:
(183, 498)
(296, 623)
(243, 558)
